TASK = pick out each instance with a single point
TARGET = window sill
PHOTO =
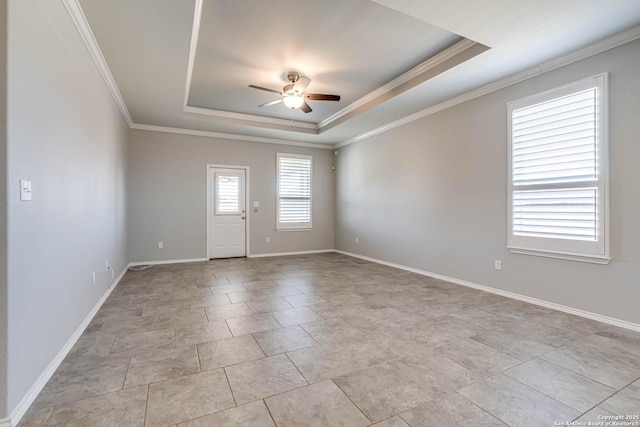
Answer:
(590, 258)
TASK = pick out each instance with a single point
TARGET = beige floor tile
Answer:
(380, 391)
(75, 381)
(262, 378)
(516, 404)
(143, 342)
(230, 311)
(122, 408)
(321, 404)
(201, 333)
(162, 365)
(595, 416)
(230, 351)
(296, 316)
(283, 340)
(303, 300)
(349, 316)
(251, 324)
(600, 358)
(253, 414)
(565, 386)
(164, 307)
(394, 421)
(268, 305)
(185, 398)
(437, 375)
(181, 318)
(450, 410)
(209, 300)
(125, 326)
(328, 360)
(35, 417)
(625, 402)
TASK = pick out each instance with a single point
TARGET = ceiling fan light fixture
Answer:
(293, 100)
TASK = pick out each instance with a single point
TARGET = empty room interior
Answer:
(319, 213)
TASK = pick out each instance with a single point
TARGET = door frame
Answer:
(210, 202)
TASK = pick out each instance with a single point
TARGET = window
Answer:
(227, 191)
(294, 192)
(558, 181)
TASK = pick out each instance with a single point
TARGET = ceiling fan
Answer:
(293, 96)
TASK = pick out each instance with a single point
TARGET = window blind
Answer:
(227, 201)
(294, 191)
(554, 145)
(560, 214)
(556, 141)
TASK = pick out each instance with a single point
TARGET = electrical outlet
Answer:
(160, 245)
(93, 277)
(268, 239)
(357, 240)
(497, 264)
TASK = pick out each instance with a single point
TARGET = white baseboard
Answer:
(167, 261)
(575, 311)
(36, 388)
(318, 251)
(178, 261)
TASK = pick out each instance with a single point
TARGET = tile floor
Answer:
(330, 340)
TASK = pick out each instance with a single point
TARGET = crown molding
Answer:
(416, 71)
(599, 47)
(251, 117)
(195, 33)
(208, 134)
(80, 21)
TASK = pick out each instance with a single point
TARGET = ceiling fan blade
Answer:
(305, 107)
(264, 88)
(301, 84)
(270, 103)
(322, 97)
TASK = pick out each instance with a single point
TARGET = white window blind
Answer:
(294, 191)
(227, 194)
(558, 172)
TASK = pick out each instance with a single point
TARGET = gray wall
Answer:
(167, 195)
(67, 136)
(3, 209)
(433, 195)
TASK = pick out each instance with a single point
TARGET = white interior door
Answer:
(226, 213)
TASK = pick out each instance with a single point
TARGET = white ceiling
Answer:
(186, 64)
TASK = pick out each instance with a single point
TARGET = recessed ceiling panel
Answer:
(347, 48)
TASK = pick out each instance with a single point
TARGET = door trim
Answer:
(210, 202)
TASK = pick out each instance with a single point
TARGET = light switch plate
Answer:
(25, 190)
(256, 204)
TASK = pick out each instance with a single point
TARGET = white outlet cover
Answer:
(256, 204)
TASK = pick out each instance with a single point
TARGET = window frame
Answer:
(598, 251)
(296, 226)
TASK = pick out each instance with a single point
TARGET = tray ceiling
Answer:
(186, 65)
